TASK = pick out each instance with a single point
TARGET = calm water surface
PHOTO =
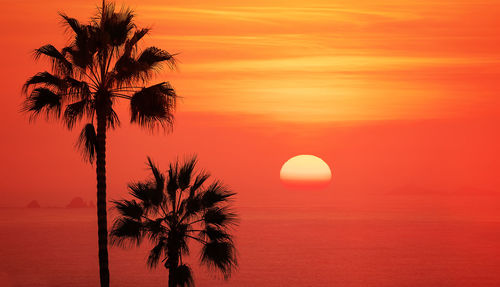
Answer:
(277, 247)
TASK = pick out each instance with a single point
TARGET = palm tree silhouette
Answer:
(174, 209)
(102, 64)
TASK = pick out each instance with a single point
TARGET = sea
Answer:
(277, 246)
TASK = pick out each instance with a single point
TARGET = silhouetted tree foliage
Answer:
(102, 64)
(171, 209)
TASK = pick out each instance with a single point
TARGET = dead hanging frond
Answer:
(87, 142)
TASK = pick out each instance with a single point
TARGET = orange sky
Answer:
(392, 94)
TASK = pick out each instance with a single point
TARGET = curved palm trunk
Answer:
(102, 221)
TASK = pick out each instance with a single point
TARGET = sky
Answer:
(400, 98)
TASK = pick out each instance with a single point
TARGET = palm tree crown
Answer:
(102, 63)
(170, 210)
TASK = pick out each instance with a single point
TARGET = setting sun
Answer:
(305, 171)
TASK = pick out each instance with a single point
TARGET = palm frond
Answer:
(115, 26)
(87, 142)
(75, 112)
(77, 89)
(183, 239)
(71, 23)
(192, 206)
(126, 70)
(152, 57)
(144, 191)
(131, 43)
(129, 208)
(126, 230)
(172, 182)
(220, 255)
(156, 253)
(183, 276)
(216, 193)
(81, 53)
(42, 100)
(198, 182)
(220, 216)
(159, 178)
(140, 190)
(185, 172)
(112, 119)
(129, 69)
(60, 65)
(47, 80)
(155, 228)
(85, 45)
(212, 233)
(154, 106)
(147, 193)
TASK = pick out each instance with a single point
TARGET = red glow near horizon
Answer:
(298, 184)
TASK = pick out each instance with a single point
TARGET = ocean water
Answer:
(277, 247)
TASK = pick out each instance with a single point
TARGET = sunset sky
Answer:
(400, 98)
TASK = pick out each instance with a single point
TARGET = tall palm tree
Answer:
(171, 210)
(102, 64)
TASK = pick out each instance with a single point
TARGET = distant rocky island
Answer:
(78, 202)
(33, 204)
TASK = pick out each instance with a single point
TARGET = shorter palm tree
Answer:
(172, 210)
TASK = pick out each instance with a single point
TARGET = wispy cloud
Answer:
(331, 63)
(382, 59)
(272, 40)
(275, 14)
